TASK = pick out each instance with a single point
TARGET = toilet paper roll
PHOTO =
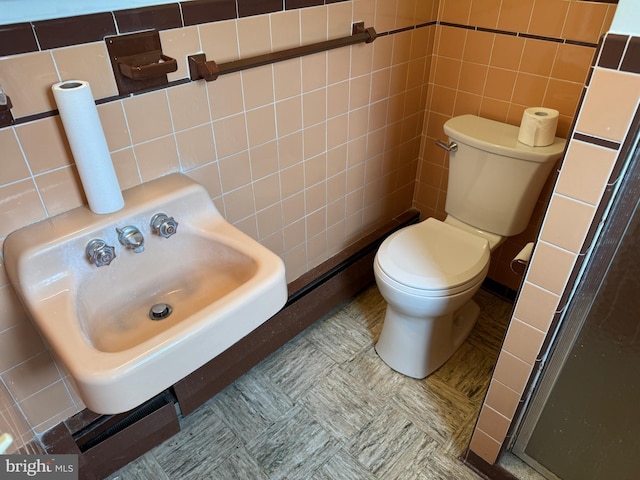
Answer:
(89, 147)
(521, 260)
(538, 127)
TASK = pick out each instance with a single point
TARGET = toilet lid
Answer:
(433, 255)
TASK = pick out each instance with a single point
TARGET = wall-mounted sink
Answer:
(153, 313)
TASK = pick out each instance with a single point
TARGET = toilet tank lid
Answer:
(499, 138)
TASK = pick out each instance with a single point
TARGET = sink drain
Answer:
(160, 311)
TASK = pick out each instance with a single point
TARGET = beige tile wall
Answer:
(611, 101)
(498, 75)
(306, 156)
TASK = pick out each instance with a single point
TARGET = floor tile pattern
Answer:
(325, 406)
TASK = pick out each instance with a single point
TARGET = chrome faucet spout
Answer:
(131, 238)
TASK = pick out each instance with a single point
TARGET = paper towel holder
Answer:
(138, 62)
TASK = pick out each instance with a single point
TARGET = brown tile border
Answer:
(601, 142)
(247, 8)
(17, 38)
(161, 17)
(631, 60)
(613, 48)
(63, 32)
(205, 11)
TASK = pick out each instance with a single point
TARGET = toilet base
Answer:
(416, 347)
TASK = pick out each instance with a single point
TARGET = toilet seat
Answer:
(433, 258)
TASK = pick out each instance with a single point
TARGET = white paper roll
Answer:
(89, 147)
(521, 260)
(538, 126)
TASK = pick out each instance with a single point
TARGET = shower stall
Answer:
(581, 421)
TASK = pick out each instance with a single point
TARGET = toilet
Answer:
(428, 272)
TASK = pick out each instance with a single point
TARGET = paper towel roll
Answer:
(89, 147)
(538, 127)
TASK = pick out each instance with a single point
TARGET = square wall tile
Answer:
(18, 344)
(61, 190)
(493, 423)
(515, 15)
(339, 19)
(585, 21)
(230, 135)
(261, 125)
(548, 18)
(157, 158)
(285, 30)
(313, 24)
(609, 105)
(114, 125)
(264, 160)
(20, 205)
(512, 372)
(31, 376)
(196, 147)
(238, 204)
(289, 115)
(254, 36)
(89, 62)
(257, 86)
(225, 96)
(485, 14)
(11, 310)
(502, 399)
(45, 404)
(485, 447)
(189, 105)
(27, 79)
(44, 144)
(567, 222)
(148, 116)
(287, 78)
(126, 167)
(14, 166)
(536, 306)
(523, 341)
(551, 267)
(235, 172)
(218, 40)
(585, 171)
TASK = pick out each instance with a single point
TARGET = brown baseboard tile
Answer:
(486, 470)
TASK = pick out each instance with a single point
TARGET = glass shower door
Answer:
(584, 420)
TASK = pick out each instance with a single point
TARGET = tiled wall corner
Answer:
(495, 59)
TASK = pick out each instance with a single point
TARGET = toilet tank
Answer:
(494, 180)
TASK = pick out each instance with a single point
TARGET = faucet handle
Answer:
(163, 225)
(99, 253)
(131, 238)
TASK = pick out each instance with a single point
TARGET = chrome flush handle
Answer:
(452, 147)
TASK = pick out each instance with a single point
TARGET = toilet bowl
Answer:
(429, 272)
